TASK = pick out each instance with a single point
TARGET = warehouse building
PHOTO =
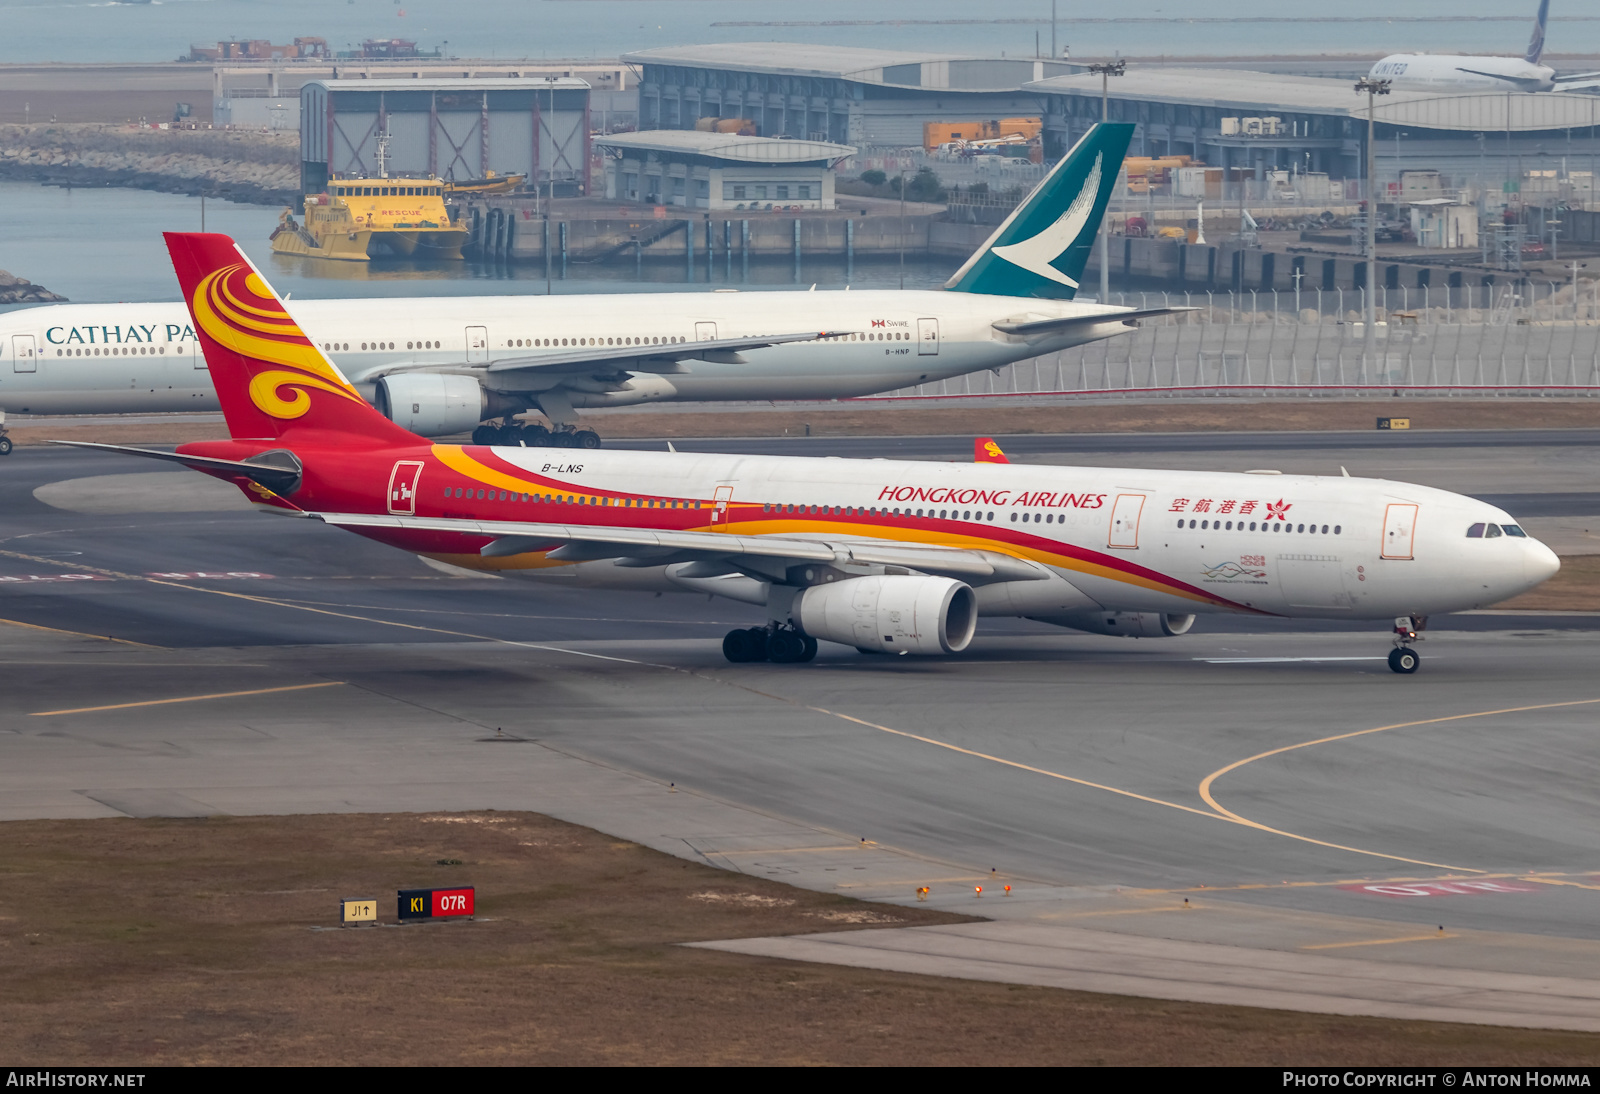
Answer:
(699, 170)
(842, 95)
(453, 129)
(1258, 122)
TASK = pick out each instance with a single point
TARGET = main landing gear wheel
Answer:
(587, 438)
(790, 647)
(486, 434)
(5, 445)
(745, 646)
(1404, 660)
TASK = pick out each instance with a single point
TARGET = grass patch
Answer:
(152, 942)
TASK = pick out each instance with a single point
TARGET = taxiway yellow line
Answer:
(187, 699)
(81, 634)
(1206, 783)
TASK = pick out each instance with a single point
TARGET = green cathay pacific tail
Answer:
(1043, 245)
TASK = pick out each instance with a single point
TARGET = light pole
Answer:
(1106, 70)
(1373, 88)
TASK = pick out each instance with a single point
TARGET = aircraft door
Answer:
(192, 348)
(403, 487)
(705, 332)
(927, 337)
(1399, 529)
(719, 507)
(24, 356)
(477, 345)
(1124, 531)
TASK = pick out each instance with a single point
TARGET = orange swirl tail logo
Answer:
(237, 310)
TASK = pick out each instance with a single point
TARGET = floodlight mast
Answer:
(1105, 70)
(1373, 88)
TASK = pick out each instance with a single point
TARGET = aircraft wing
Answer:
(651, 546)
(1577, 80)
(662, 359)
(1057, 326)
(1522, 82)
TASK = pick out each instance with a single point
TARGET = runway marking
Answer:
(1543, 880)
(1220, 814)
(1010, 763)
(1206, 783)
(1274, 660)
(188, 699)
(1380, 941)
(82, 634)
(1412, 889)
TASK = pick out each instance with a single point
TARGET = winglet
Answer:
(985, 450)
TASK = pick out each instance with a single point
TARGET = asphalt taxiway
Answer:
(1250, 813)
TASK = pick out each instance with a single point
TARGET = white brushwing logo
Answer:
(1035, 254)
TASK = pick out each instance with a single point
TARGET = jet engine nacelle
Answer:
(891, 614)
(431, 404)
(1127, 624)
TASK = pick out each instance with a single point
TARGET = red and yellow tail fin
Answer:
(271, 380)
(985, 450)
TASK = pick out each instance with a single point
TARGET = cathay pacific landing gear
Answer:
(1403, 659)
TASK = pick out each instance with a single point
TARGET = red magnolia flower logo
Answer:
(1279, 510)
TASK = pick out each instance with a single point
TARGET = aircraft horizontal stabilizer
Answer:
(282, 476)
(520, 537)
(1057, 326)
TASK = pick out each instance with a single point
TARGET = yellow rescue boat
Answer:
(357, 219)
(491, 183)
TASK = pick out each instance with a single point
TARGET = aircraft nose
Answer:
(1540, 563)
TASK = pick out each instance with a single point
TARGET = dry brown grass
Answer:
(189, 941)
(1575, 589)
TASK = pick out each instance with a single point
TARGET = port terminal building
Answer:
(1250, 123)
(456, 129)
(840, 95)
(706, 170)
(1258, 122)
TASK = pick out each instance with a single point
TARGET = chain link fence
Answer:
(1517, 341)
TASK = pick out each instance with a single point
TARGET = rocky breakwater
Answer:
(17, 290)
(258, 168)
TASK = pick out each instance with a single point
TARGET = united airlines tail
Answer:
(271, 380)
(1042, 247)
(1536, 43)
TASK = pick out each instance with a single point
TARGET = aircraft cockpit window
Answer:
(1514, 530)
(1492, 532)
(1475, 531)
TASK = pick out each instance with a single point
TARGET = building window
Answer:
(783, 193)
(803, 191)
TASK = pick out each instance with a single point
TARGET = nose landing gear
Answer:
(1403, 659)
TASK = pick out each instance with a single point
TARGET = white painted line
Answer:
(1276, 660)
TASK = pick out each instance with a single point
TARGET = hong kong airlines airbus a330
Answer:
(888, 557)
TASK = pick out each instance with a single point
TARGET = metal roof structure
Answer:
(500, 83)
(727, 146)
(892, 68)
(1270, 93)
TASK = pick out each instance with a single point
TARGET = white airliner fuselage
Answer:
(1443, 72)
(122, 358)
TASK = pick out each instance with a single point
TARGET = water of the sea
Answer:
(98, 245)
(161, 30)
